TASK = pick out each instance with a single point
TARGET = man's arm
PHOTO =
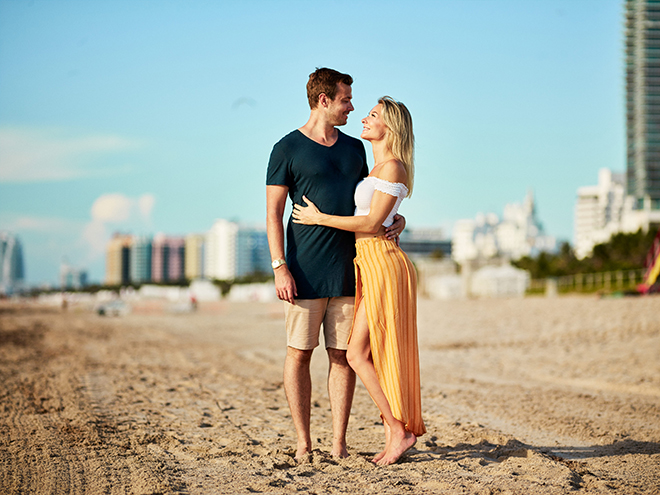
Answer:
(276, 196)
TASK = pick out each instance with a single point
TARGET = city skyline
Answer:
(227, 251)
(145, 117)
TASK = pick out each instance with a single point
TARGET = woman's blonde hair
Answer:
(400, 139)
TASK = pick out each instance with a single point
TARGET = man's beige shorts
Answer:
(304, 319)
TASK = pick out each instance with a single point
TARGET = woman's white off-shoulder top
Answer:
(364, 191)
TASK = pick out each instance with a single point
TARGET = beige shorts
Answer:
(304, 319)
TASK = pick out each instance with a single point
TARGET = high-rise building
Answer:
(220, 255)
(626, 205)
(141, 251)
(118, 262)
(11, 264)
(599, 211)
(226, 252)
(234, 250)
(194, 264)
(643, 102)
(167, 259)
(252, 253)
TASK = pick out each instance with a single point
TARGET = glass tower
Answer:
(140, 260)
(11, 263)
(643, 102)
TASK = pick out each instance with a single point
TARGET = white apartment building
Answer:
(517, 234)
(604, 210)
(232, 250)
(220, 255)
(598, 211)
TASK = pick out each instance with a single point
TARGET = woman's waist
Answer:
(366, 235)
(380, 248)
(362, 237)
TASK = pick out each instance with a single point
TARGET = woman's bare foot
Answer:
(398, 446)
(381, 454)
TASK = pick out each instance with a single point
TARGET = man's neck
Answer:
(319, 130)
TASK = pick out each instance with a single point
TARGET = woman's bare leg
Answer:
(359, 357)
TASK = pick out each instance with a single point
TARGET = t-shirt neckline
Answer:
(316, 142)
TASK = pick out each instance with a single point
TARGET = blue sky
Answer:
(159, 116)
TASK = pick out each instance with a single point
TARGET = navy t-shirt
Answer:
(320, 258)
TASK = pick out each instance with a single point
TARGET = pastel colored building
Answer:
(117, 266)
(167, 259)
(194, 262)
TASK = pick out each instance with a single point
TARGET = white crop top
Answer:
(364, 191)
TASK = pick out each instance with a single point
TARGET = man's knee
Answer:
(300, 357)
(337, 356)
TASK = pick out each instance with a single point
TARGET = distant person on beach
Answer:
(316, 277)
(382, 347)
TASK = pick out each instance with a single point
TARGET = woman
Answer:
(382, 348)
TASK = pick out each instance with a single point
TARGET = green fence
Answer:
(621, 280)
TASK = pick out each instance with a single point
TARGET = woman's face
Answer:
(373, 126)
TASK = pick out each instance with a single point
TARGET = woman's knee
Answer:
(355, 357)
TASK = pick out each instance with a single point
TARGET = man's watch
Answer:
(278, 263)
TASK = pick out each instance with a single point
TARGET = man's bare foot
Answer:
(302, 454)
(398, 446)
(339, 452)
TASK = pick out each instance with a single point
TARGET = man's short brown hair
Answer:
(325, 80)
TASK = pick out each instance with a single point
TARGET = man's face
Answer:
(341, 106)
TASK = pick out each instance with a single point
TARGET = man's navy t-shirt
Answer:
(320, 258)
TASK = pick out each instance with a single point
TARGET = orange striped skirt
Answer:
(387, 285)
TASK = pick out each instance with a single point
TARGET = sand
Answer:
(520, 396)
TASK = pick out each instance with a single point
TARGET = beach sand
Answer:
(520, 396)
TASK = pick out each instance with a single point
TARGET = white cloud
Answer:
(116, 211)
(146, 205)
(34, 155)
(112, 208)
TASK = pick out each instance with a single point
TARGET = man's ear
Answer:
(324, 100)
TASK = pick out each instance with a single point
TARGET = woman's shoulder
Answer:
(392, 171)
(392, 185)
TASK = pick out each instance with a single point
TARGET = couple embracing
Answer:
(343, 270)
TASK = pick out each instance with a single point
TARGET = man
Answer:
(316, 278)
